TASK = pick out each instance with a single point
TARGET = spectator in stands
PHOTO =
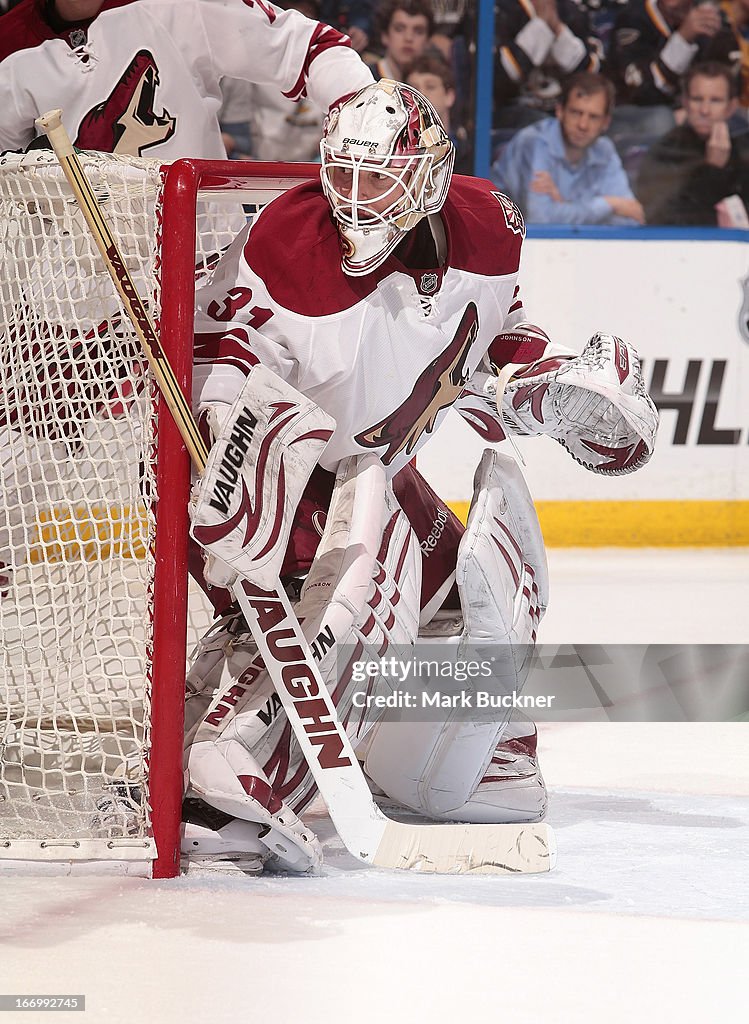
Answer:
(732, 46)
(697, 165)
(453, 39)
(354, 18)
(146, 81)
(433, 77)
(653, 44)
(404, 28)
(562, 170)
(537, 46)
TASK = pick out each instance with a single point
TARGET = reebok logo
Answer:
(438, 528)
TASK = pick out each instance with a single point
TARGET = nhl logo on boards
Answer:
(428, 283)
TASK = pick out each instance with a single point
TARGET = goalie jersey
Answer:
(386, 354)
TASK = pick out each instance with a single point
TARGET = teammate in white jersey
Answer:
(141, 77)
(333, 337)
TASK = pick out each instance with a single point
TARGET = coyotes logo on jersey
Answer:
(437, 387)
(126, 121)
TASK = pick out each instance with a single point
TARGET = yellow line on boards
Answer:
(95, 533)
(89, 533)
(628, 524)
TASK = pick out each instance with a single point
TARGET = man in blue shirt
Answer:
(562, 170)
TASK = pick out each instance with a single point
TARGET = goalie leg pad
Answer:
(502, 573)
(594, 404)
(361, 596)
(435, 767)
(220, 763)
(266, 446)
(223, 659)
(510, 787)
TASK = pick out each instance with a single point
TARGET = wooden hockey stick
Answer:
(365, 831)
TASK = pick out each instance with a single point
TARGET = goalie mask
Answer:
(386, 163)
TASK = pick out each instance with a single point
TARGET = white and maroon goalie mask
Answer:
(386, 163)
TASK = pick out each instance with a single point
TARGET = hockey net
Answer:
(92, 523)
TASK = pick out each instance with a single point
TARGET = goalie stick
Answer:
(365, 831)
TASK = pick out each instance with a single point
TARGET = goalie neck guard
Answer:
(386, 163)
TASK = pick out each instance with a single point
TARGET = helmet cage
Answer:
(408, 182)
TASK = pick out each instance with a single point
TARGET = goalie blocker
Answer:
(264, 449)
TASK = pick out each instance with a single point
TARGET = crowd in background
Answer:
(620, 112)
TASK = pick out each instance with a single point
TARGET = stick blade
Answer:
(467, 849)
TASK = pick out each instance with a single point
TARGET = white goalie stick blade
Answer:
(364, 830)
(467, 849)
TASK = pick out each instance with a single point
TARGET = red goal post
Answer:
(92, 624)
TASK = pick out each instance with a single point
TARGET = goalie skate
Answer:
(595, 405)
(213, 840)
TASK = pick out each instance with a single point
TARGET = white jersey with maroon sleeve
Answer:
(387, 354)
(143, 77)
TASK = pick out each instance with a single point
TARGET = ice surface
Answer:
(644, 919)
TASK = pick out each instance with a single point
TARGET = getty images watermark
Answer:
(428, 684)
(549, 682)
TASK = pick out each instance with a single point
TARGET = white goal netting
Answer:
(78, 440)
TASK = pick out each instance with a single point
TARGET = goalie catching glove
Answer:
(594, 404)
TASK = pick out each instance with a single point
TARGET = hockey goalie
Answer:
(332, 339)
